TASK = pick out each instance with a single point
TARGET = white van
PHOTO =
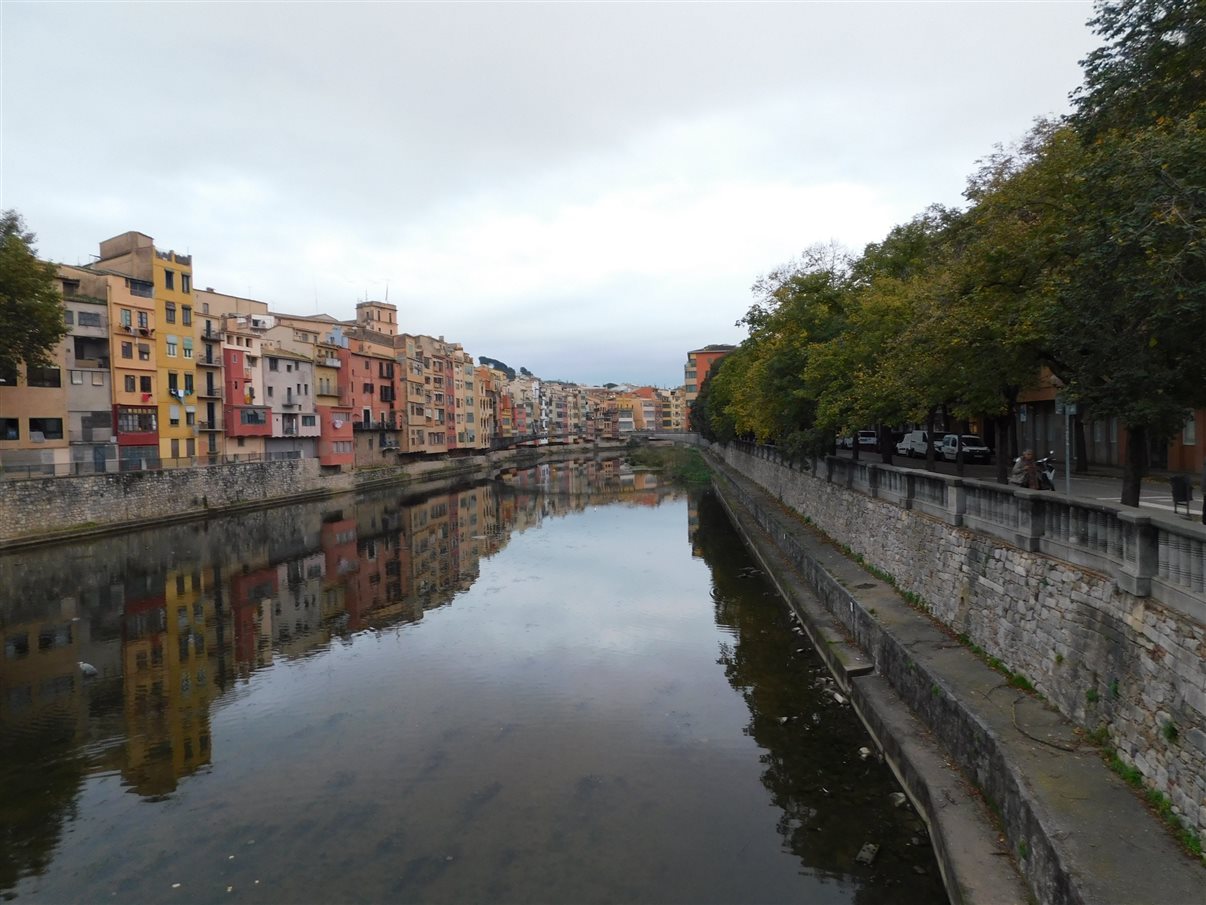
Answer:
(913, 444)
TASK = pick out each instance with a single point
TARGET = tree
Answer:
(1132, 283)
(31, 308)
(1151, 68)
(798, 305)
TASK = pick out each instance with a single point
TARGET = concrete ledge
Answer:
(1079, 834)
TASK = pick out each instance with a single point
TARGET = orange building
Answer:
(700, 363)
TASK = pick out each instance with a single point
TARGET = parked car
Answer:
(868, 441)
(913, 444)
(974, 449)
(846, 442)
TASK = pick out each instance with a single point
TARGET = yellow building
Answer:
(164, 332)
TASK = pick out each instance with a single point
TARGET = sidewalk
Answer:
(1076, 832)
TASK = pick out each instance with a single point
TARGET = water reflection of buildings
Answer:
(186, 611)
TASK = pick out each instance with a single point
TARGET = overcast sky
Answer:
(585, 189)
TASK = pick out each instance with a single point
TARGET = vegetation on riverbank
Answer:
(683, 464)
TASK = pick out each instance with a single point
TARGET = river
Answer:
(572, 684)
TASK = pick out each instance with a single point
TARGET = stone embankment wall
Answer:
(37, 508)
(54, 507)
(1103, 656)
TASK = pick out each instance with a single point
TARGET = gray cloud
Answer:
(589, 187)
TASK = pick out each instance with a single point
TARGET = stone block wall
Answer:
(36, 507)
(1104, 657)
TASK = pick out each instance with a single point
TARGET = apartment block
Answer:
(700, 363)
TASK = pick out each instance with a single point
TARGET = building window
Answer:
(44, 377)
(252, 416)
(143, 322)
(188, 347)
(98, 378)
(77, 378)
(174, 417)
(169, 279)
(1189, 434)
(127, 350)
(190, 417)
(186, 284)
(136, 420)
(173, 381)
(273, 364)
(127, 319)
(169, 312)
(88, 319)
(10, 428)
(188, 383)
(49, 428)
(308, 421)
(131, 384)
(68, 316)
(270, 391)
(144, 384)
(144, 352)
(186, 313)
(171, 347)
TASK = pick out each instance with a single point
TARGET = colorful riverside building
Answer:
(700, 363)
(211, 424)
(373, 384)
(168, 326)
(248, 419)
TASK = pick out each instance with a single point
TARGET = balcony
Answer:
(209, 360)
(210, 426)
(208, 392)
(374, 426)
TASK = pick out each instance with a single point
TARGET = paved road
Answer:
(1155, 497)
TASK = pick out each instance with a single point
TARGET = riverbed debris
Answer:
(867, 853)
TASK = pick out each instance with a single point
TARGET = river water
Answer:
(568, 685)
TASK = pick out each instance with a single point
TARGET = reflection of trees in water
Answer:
(831, 799)
(41, 773)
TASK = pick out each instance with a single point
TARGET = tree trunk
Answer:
(929, 441)
(1004, 424)
(1080, 447)
(885, 444)
(1135, 466)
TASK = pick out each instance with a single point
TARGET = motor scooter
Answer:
(1046, 471)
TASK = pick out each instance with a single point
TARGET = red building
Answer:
(243, 417)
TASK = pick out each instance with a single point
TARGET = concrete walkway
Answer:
(1029, 795)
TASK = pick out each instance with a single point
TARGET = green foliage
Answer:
(497, 365)
(686, 466)
(1170, 732)
(31, 308)
(1091, 696)
(1150, 65)
(1082, 249)
(1017, 680)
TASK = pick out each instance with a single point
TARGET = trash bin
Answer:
(1182, 491)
